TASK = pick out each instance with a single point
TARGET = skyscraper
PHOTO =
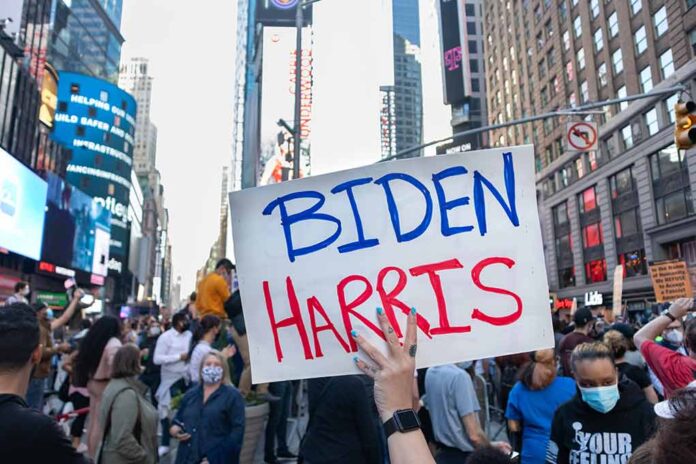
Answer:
(629, 201)
(408, 93)
(135, 79)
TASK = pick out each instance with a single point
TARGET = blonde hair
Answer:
(226, 379)
(591, 352)
(616, 342)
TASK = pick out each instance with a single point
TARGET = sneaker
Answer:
(162, 450)
(286, 454)
(82, 449)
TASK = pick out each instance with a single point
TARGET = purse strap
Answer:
(137, 430)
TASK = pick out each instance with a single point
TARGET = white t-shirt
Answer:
(199, 352)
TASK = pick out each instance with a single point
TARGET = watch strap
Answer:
(394, 424)
(669, 315)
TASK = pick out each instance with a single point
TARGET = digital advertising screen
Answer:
(77, 229)
(96, 120)
(452, 57)
(281, 13)
(22, 203)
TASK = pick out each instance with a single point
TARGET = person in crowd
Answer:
(130, 333)
(37, 384)
(171, 353)
(93, 370)
(201, 344)
(210, 422)
(532, 404)
(557, 334)
(453, 406)
(343, 422)
(26, 436)
(127, 419)
(632, 355)
(21, 294)
(607, 420)
(151, 375)
(673, 369)
(644, 454)
(676, 435)
(510, 367)
(584, 324)
(618, 345)
(214, 290)
(276, 445)
(78, 396)
(191, 306)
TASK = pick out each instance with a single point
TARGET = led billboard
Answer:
(22, 203)
(281, 12)
(452, 57)
(77, 229)
(96, 119)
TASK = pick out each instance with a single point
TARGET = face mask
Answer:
(675, 337)
(211, 375)
(601, 399)
(154, 331)
(26, 291)
(49, 314)
(185, 326)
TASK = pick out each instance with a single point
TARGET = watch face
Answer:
(408, 420)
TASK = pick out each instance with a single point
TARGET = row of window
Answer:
(671, 204)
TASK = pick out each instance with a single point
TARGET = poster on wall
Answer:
(439, 234)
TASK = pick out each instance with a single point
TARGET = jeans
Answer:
(276, 427)
(35, 394)
(245, 380)
(176, 389)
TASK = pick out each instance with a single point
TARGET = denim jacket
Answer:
(216, 427)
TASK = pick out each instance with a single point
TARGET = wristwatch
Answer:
(403, 420)
(669, 315)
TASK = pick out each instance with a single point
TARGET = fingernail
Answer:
(355, 359)
(354, 333)
(413, 310)
(380, 311)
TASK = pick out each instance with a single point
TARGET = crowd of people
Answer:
(605, 393)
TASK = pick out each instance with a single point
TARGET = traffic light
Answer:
(685, 124)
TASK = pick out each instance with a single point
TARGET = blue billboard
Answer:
(78, 229)
(96, 120)
(22, 203)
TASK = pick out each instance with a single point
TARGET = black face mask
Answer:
(185, 326)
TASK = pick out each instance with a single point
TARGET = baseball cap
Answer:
(667, 409)
(582, 316)
(625, 330)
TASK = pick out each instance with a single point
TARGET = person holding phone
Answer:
(673, 369)
(210, 422)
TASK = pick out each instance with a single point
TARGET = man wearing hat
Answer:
(584, 322)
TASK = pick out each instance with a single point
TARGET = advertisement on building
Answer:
(78, 229)
(22, 203)
(49, 96)
(281, 12)
(278, 103)
(452, 58)
(96, 120)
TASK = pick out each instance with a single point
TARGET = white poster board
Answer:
(456, 236)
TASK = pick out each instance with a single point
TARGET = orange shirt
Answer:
(211, 296)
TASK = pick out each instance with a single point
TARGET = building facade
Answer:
(629, 202)
(135, 79)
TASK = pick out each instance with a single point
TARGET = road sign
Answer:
(581, 136)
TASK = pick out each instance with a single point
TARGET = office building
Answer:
(629, 202)
(135, 79)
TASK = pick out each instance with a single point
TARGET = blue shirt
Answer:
(535, 410)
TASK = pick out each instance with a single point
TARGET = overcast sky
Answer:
(192, 55)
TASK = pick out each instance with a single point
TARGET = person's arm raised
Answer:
(69, 311)
(651, 330)
(393, 375)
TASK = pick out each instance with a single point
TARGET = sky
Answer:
(192, 56)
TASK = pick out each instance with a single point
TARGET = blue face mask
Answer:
(49, 314)
(601, 399)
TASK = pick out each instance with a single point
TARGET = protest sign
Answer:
(670, 280)
(456, 236)
(617, 308)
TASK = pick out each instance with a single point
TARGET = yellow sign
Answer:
(671, 280)
(49, 96)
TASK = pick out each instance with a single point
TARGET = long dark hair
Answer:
(92, 347)
(206, 324)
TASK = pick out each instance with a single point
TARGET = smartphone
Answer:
(514, 457)
(179, 424)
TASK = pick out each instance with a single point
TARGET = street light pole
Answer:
(299, 19)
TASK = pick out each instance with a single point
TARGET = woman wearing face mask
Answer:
(607, 420)
(151, 376)
(206, 333)
(210, 421)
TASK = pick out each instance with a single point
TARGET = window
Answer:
(592, 235)
(636, 6)
(596, 271)
(475, 86)
(471, 28)
(560, 214)
(646, 83)
(581, 58)
(584, 92)
(666, 64)
(667, 161)
(566, 41)
(627, 136)
(594, 7)
(626, 223)
(660, 21)
(564, 245)
(633, 263)
(621, 183)
(473, 46)
(617, 61)
(577, 26)
(470, 10)
(587, 200)
(613, 25)
(676, 202)
(602, 74)
(551, 58)
(598, 40)
(473, 66)
(669, 103)
(569, 71)
(651, 121)
(641, 40)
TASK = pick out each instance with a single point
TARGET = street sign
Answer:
(581, 136)
(317, 256)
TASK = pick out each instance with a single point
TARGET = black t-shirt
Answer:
(29, 436)
(634, 373)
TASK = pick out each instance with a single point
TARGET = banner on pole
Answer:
(457, 237)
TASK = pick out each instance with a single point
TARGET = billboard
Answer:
(78, 229)
(281, 13)
(96, 120)
(22, 203)
(452, 62)
(278, 102)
